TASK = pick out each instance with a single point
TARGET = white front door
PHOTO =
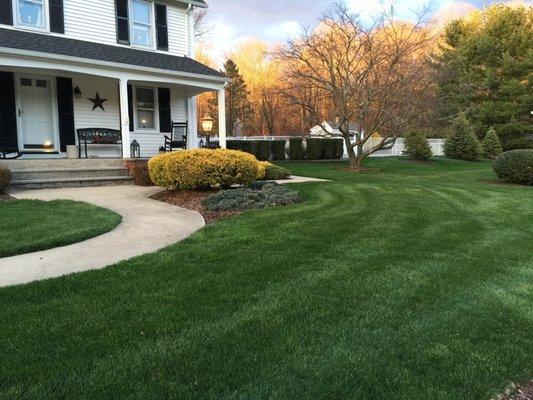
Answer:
(36, 113)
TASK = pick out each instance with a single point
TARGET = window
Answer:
(141, 23)
(145, 104)
(31, 13)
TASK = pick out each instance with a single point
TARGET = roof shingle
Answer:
(37, 42)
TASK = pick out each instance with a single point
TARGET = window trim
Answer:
(46, 18)
(136, 128)
(152, 44)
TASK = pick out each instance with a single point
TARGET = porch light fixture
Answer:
(135, 149)
(77, 92)
(207, 123)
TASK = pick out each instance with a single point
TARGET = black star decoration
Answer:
(98, 102)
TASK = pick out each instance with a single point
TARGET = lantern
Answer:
(77, 92)
(207, 123)
(135, 149)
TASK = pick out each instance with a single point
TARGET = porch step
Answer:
(58, 173)
(71, 182)
(40, 174)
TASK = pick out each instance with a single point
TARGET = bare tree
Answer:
(371, 74)
(201, 28)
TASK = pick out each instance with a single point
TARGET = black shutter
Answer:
(8, 113)
(165, 119)
(65, 106)
(123, 28)
(161, 26)
(130, 107)
(6, 12)
(57, 19)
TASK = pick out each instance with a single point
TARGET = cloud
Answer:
(284, 30)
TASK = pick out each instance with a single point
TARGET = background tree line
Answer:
(418, 76)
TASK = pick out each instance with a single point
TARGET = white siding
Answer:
(177, 30)
(95, 21)
(151, 142)
(91, 20)
(85, 117)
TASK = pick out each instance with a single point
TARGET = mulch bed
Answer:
(192, 200)
(523, 392)
(6, 197)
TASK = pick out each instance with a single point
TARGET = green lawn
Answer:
(32, 225)
(414, 283)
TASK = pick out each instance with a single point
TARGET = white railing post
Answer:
(124, 118)
(222, 117)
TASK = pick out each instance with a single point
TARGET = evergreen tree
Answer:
(485, 69)
(238, 107)
(492, 147)
(417, 146)
(463, 144)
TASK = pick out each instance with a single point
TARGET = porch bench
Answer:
(8, 151)
(98, 136)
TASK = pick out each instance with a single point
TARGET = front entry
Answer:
(35, 112)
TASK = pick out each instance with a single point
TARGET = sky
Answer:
(275, 21)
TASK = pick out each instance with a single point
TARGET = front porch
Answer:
(46, 98)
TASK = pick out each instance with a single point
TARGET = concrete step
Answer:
(31, 175)
(71, 182)
(63, 163)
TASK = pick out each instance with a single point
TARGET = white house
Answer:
(125, 65)
(329, 128)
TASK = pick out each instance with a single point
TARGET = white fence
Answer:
(437, 145)
(437, 148)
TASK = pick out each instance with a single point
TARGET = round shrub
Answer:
(417, 146)
(5, 179)
(463, 144)
(203, 169)
(491, 145)
(296, 149)
(515, 166)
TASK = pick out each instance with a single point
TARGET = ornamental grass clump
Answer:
(491, 145)
(515, 166)
(417, 147)
(203, 169)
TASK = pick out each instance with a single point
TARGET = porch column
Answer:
(192, 137)
(124, 118)
(222, 117)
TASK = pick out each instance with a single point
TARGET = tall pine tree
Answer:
(238, 106)
(484, 69)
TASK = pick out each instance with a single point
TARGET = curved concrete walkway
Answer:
(147, 226)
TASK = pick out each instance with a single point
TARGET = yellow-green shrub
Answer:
(269, 172)
(203, 169)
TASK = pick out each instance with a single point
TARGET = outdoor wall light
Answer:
(77, 92)
(207, 123)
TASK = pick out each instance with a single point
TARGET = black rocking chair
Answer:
(179, 130)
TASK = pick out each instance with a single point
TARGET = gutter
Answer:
(96, 63)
